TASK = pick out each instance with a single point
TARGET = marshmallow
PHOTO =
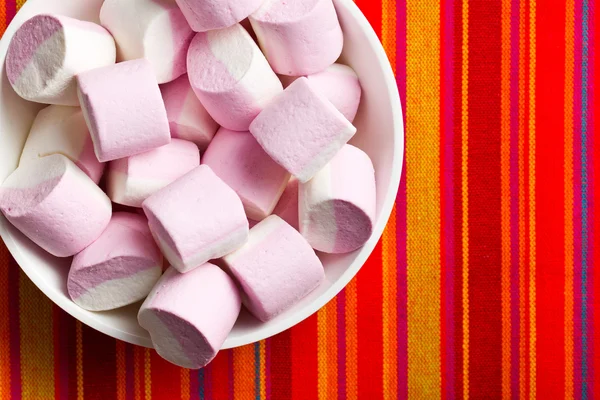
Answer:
(62, 130)
(132, 180)
(340, 85)
(238, 159)
(188, 119)
(207, 15)
(48, 51)
(196, 218)
(287, 208)
(301, 130)
(119, 268)
(298, 37)
(123, 109)
(189, 316)
(55, 205)
(231, 77)
(160, 34)
(276, 268)
(337, 207)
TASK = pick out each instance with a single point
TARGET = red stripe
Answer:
(372, 10)
(11, 10)
(99, 365)
(14, 331)
(218, 375)
(485, 364)
(457, 202)
(370, 328)
(550, 198)
(64, 354)
(304, 360)
(165, 377)
(280, 364)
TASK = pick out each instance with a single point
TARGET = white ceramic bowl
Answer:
(380, 134)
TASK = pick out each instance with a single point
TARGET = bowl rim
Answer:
(386, 210)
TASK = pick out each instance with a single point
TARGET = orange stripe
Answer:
(506, 198)
(569, 195)
(388, 30)
(4, 325)
(263, 370)
(423, 197)
(79, 359)
(390, 323)
(243, 371)
(121, 371)
(532, 210)
(137, 365)
(3, 21)
(185, 384)
(351, 341)
(322, 353)
(465, 193)
(37, 343)
(147, 374)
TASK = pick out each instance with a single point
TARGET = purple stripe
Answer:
(341, 340)
(514, 200)
(447, 203)
(577, 114)
(14, 330)
(592, 362)
(129, 372)
(401, 293)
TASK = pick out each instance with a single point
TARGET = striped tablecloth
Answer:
(485, 284)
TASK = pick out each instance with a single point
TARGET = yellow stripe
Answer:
(79, 359)
(37, 354)
(121, 371)
(185, 384)
(532, 210)
(147, 374)
(569, 196)
(390, 322)
(243, 370)
(465, 193)
(351, 341)
(388, 30)
(423, 197)
(20, 4)
(506, 198)
(4, 326)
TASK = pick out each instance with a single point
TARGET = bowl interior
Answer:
(380, 134)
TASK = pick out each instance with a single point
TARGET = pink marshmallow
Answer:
(337, 207)
(62, 130)
(48, 51)
(340, 85)
(275, 269)
(301, 130)
(231, 77)
(298, 37)
(119, 268)
(159, 34)
(287, 208)
(123, 109)
(188, 119)
(207, 15)
(55, 205)
(189, 316)
(132, 180)
(238, 159)
(196, 218)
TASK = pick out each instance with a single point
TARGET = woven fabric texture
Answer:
(485, 284)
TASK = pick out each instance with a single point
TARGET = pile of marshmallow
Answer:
(126, 137)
